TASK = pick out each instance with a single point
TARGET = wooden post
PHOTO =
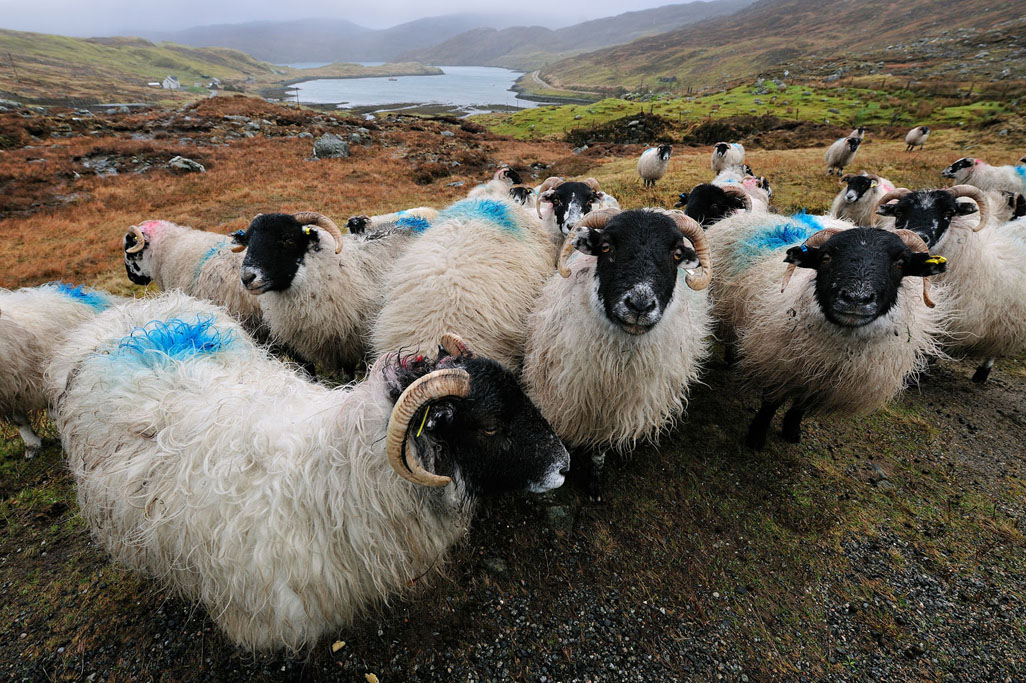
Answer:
(14, 69)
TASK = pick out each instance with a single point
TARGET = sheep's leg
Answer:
(983, 372)
(596, 475)
(759, 427)
(791, 430)
(32, 441)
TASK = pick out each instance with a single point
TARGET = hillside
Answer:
(329, 40)
(924, 37)
(57, 69)
(530, 47)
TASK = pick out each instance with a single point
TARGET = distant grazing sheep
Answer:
(653, 164)
(917, 137)
(726, 155)
(841, 153)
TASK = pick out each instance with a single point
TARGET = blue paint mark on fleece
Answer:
(413, 223)
(794, 231)
(206, 257)
(491, 210)
(174, 339)
(97, 300)
(1021, 172)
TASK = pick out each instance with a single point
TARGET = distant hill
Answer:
(529, 47)
(770, 33)
(329, 40)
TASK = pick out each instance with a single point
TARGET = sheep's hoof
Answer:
(981, 374)
(791, 429)
(31, 452)
(756, 439)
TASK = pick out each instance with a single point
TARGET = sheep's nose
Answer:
(860, 297)
(639, 302)
(247, 277)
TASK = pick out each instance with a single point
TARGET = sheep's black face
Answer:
(858, 186)
(708, 204)
(959, 168)
(570, 202)
(520, 194)
(358, 224)
(638, 255)
(928, 213)
(721, 148)
(664, 152)
(512, 176)
(135, 266)
(859, 272)
(853, 144)
(925, 130)
(495, 440)
(276, 245)
(1016, 203)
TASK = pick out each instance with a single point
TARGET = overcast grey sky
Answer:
(118, 17)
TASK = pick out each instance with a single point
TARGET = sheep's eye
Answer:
(678, 254)
(606, 247)
(900, 263)
(490, 431)
(825, 259)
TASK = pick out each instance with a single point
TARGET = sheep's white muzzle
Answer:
(556, 475)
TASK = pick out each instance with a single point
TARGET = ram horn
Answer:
(734, 190)
(896, 193)
(915, 243)
(455, 346)
(593, 184)
(140, 241)
(321, 221)
(846, 177)
(550, 183)
(815, 240)
(430, 387)
(975, 194)
(690, 228)
(596, 220)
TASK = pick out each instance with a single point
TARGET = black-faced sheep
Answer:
(414, 220)
(562, 204)
(318, 298)
(726, 155)
(848, 332)
(498, 187)
(619, 334)
(978, 173)
(916, 138)
(33, 321)
(841, 153)
(287, 509)
(197, 262)
(709, 203)
(859, 196)
(653, 164)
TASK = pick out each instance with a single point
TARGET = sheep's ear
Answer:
(886, 209)
(965, 208)
(441, 412)
(239, 238)
(682, 200)
(313, 238)
(924, 265)
(803, 256)
(587, 241)
(1020, 206)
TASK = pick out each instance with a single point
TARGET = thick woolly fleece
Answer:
(477, 273)
(236, 483)
(599, 386)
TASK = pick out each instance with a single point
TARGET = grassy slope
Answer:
(772, 32)
(789, 562)
(118, 69)
(854, 105)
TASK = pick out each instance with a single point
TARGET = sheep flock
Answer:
(485, 346)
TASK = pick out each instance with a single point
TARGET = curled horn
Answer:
(691, 230)
(733, 190)
(596, 220)
(593, 184)
(845, 178)
(975, 194)
(550, 183)
(815, 240)
(140, 241)
(916, 243)
(896, 193)
(430, 387)
(321, 221)
(455, 346)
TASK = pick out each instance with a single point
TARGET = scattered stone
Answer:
(457, 183)
(305, 135)
(497, 566)
(578, 150)
(253, 125)
(330, 146)
(185, 165)
(448, 134)
(832, 110)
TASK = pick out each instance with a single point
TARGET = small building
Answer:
(171, 83)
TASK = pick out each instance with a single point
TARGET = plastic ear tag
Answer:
(307, 230)
(423, 422)
(936, 260)
(804, 248)
(873, 185)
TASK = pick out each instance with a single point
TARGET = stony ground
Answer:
(888, 547)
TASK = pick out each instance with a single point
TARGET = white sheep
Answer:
(287, 509)
(319, 291)
(33, 321)
(416, 220)
(477, 273)
(841, 153)
(859, 196)
(726, 155)
(616, 338)
(845, 336)
(978, 173)
(562, 203)
(498, 187)
(917, 138)
(653, 164)
(197, 262)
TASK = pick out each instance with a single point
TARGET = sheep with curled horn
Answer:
(627, 317)
(319, 290)
(561, 204)
(286, 509)
(846, 331)
(197, 262)
(986, 275)
(33, 322)
(859, 195)
(709, 203)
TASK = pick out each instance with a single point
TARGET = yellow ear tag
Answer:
(307, 230)
(424, 421)
(873, 185)
(936, 260)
